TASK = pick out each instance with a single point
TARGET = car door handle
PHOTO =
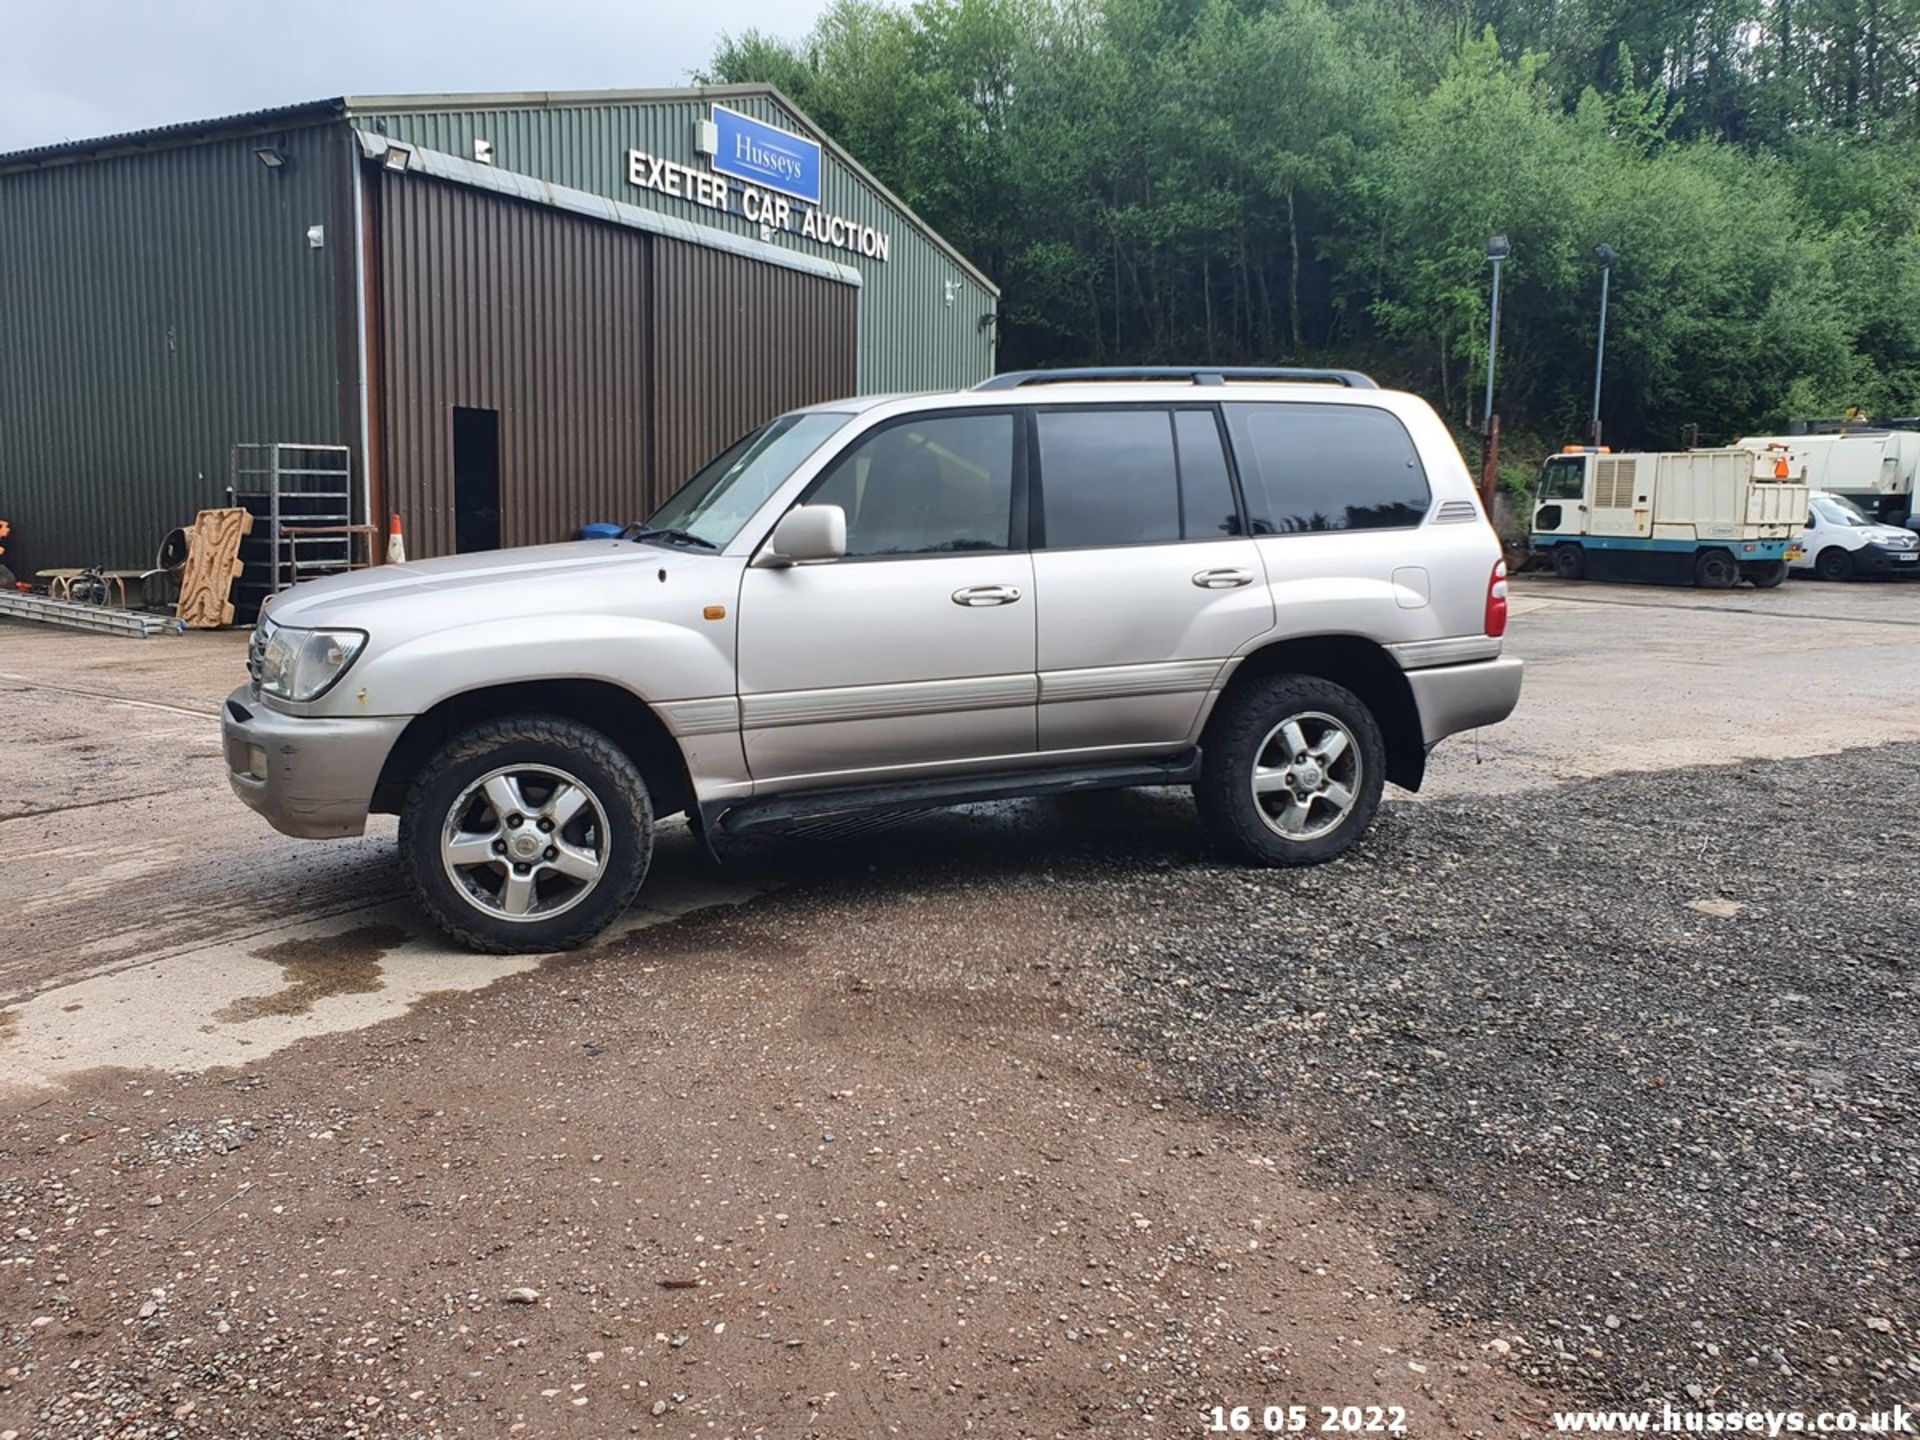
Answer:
(1222, 579)
(977, 595)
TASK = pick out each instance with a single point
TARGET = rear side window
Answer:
(1132, 477)
(1311, 468)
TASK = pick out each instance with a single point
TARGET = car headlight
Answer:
(301, 665)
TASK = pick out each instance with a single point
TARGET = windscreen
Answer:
(724, 495)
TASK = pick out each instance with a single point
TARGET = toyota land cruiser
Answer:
(1275, 586)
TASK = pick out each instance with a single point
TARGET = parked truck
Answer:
(1694, 517)
(1872, 467)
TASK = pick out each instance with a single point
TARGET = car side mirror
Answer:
(805, 534)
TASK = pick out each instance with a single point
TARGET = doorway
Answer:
(476, 479)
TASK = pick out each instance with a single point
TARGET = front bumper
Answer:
(1452, 698)
(311, 777)
(1879, 560)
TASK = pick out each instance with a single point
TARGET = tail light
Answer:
(1497, 600)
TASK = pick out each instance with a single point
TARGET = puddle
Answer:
(235, 1000)
(318, 966)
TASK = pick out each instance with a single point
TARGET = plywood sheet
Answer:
(213, 564)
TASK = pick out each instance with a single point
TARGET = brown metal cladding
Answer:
(523, 309)
(738, 342)
(559, 322)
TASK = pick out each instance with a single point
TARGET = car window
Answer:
(1207, 506)
(1836, 510)
(1310, 467)
(1108, 477)
(1563, 480)
(926, 485)
(1132, 477)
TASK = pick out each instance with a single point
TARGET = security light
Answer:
(1604, 254)
(272, 157)
(399, 157)
(1497, 248)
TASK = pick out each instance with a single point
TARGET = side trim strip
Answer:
(1454, 650)
(885, 702)
(1113, 682)
(702, 717)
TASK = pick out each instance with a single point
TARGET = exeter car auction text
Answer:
(761, 207)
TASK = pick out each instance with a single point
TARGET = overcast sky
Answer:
(72, 69)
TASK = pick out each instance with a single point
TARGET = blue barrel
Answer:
(600, 530)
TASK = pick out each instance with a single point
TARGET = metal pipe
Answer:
(1605, 255)
(1493, 342)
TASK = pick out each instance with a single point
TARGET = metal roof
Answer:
(311, 112)
(185, 132)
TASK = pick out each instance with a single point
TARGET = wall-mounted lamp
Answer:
(273, 157)
(989, 320)
(399, 157)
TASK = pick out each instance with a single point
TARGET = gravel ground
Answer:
(852, 1160)
(1628, 1068)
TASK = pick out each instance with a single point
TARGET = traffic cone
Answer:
(396, 544)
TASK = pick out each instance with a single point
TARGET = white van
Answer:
(1840, 542)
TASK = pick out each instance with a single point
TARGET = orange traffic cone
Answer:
(396, 544)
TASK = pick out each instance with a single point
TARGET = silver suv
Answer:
(1275, 586)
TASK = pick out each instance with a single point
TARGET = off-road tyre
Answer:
(1238, 731)
(603, 768)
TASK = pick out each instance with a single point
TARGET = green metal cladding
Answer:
(161, 300)
(156, 308)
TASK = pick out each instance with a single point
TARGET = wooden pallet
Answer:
(213, 564)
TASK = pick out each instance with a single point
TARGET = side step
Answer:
(778, 812)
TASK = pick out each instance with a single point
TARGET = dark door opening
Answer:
(476, 479)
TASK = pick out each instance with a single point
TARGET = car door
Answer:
(915, 651)
(1146, 577)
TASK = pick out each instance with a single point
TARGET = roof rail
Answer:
(1193, 374)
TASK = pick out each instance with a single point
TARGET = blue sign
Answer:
(764, 154)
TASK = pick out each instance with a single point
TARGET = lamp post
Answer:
(1497, 251)
(1604, 254)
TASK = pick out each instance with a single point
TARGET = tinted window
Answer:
(1112, 477)
(1206, 494)
(929, 485)
(1327, 467)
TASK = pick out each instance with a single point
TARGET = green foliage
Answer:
(1275, 180)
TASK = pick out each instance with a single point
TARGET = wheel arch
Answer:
(1362, 666)
(619, 714)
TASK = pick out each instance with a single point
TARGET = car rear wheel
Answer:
(1569, 562)
(1291, 771)
(1833, 563)
(527, 834)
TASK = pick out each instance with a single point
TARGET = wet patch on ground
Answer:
(316, 967)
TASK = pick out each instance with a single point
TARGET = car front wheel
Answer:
(527, 834)
(1291, 771)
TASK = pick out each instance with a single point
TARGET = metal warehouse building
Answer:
(510, 313)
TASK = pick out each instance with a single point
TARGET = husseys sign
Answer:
(767, 176)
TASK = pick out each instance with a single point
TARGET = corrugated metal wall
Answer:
(523, 309)
(154, 310)
(739, 342)
(920, 312)
(618, 361)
